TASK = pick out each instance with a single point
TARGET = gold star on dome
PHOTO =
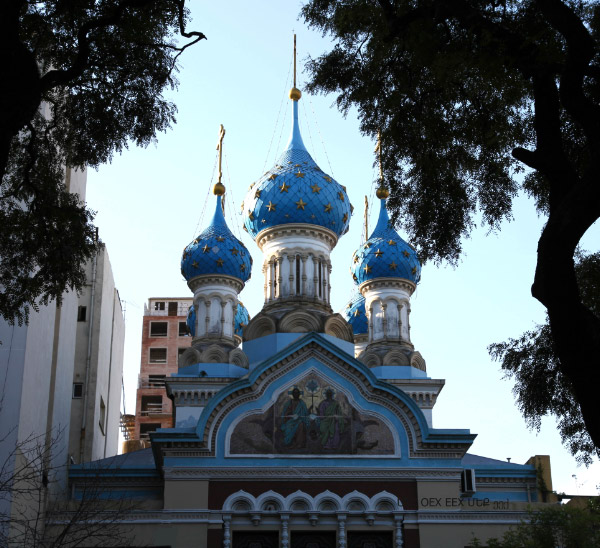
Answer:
(406, 254)
(196, 240)
(271, 206)
(345, 218)
(368, 244)
(296, 165)
(341, 196)
(300, 175)
(220, 239)
(284, 187)
(393, 265)
(367, 269)
(243, 267)
(351, 209)
(328, 208)
(263, 221)
(195, 264)
(391, 242)
(313, 216)
(349, 305)
(344, 188)
(242, 324)
(300, 204)
(257, 193)
(378, 253)
(242, 206)
(244, 228)
(354, 277)
(251, 186)
(355, 259)
(327, 178)
(272, 177)
(287, 215)
(414, 270)
(356, 313)
(219, 262)
(315, 188)
(250, 215)
(234, 251)
(205, 249)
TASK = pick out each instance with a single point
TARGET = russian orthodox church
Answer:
(302, 427)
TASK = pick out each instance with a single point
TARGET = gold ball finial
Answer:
(295, 94)
(382, 193)
(219, 189)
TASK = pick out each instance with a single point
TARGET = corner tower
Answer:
(295, 212)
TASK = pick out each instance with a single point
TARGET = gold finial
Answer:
(295, 93)
(366, 234)
(219, 188)
(382, 192)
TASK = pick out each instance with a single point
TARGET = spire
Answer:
(382, 192)
(295, 140)
(219, 188)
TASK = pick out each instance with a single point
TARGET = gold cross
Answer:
(220, 149)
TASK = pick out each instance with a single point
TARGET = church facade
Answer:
(301, 427)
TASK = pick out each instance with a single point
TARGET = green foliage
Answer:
(88, 78)
(559, 526)
(540, 386)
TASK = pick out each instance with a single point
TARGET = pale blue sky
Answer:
(150, 201)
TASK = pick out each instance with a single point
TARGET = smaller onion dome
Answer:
(385, 254)
(241, 319)
(216, 251)
(191, 320)
(354, 313)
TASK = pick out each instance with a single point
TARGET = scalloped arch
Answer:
(298, 321)
(337, 326)
(259, 326)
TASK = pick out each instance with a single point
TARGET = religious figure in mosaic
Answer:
(294, 420)
(331, 421)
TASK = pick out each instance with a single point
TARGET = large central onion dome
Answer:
(216, 252)
(385, 254)
(295, 191)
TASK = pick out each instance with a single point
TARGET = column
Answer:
(223, 304)
(384, 320)
(398, 524)
(341, 530)
(207, 317)
(315, 263)
(400, 322)
(303, 258)
(292, 261)
(279, 261)
(226, 531)
(328, 284)
(285, 535)
(371, 338)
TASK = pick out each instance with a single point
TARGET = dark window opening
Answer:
(147, 428)
(297, 274)
(158, 355)
(159, 329)
(82, 313)
(183, 329)
(156, 381)
(173, 309)
(320, 279)
(77, 390)
(159, 305)
(152, 405)
(180, 351)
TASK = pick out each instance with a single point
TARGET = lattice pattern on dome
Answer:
(385, 255)
(216, 251)
(354, 314)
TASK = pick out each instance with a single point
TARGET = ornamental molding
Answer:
(297, 229)
(298, 474)
(394, 283)
(210, 279)
(466, 516)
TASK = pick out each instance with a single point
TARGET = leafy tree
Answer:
(540, 386)
(468, 94)
(80, 79)
(558, 526)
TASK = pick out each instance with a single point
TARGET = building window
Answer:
(159, 305)
(146, 428)
(81, 313)
(156, 381)
(102, 419)
(173, 308)
(152, 405)
(183, 329)
(158, 355)
(159, 329)
(77, 390)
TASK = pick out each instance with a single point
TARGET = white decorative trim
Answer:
(297, 229)
(210, 279)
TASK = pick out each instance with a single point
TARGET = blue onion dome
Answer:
(241, 319)
(385, 254)
(354, 314)
(216, 251)
(191, 320)
(296, 190)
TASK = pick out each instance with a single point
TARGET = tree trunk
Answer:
(575, 329)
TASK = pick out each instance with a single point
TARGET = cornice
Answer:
(394, 283)
(297, 229)
(210, 279)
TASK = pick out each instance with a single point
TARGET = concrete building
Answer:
(165, 337)
(302, 427)
(41, 379)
